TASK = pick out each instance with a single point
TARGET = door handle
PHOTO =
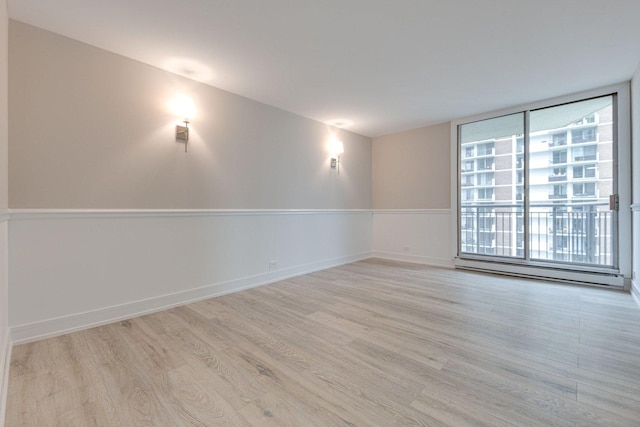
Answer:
(614, 204)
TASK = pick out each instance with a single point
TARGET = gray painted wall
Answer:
(412, 170)
(91, 129)
(4, 111)
(4, 280)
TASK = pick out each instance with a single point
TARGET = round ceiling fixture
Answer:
(340, 123)
(189, 68)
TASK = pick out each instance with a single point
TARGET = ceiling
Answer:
(385, 65)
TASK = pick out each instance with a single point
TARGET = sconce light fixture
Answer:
(183, 107)
(338, 151)
(182, 133)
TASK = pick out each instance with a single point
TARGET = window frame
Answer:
(619, 277)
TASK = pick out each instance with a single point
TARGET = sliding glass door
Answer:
(535, 186)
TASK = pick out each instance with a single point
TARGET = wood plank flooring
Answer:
(366, 344)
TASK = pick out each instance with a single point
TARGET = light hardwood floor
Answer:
(367, 344)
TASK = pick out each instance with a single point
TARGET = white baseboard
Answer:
(635, 291)
(5, 363)
(63, 325)
(416, 259)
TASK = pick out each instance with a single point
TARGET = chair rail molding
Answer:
(22, 214)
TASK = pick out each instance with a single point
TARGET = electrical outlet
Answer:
(406, 248)
(273, 264)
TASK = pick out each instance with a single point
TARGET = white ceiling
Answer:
(386, 65)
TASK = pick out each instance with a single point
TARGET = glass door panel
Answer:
(491, 166)
(571, 176)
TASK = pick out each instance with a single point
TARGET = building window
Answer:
(485, 149)
(485, 178)
(584, 189)
(558, 174)
(585, 171)
(468, 152)
(485, 193)
(559, 191)
(559, 139)
(485, 164)
(467, 195)
(558, 157)
(578, 136)
(581, 154)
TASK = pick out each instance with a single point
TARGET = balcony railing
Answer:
(583, 236)
(582, 139)
(559, 177)
(485, 152)
(558, 161)
(558, 143)
(588, 157)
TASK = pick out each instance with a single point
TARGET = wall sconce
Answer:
(183, 106)
(182, 133)
(338, 150)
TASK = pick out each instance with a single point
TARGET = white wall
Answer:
(4, 296)
(411, 196)
(91, 134)
(635, 173)
(72, 269)
(415, 235)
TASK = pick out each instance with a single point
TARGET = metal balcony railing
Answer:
(581, 236)
(558, 143)
(558, 177)
(581, 139)
(588, 157)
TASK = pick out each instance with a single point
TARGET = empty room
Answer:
(319, 213)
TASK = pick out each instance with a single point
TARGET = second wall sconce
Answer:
(182, 133)
(338, 150)
(183, 106)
